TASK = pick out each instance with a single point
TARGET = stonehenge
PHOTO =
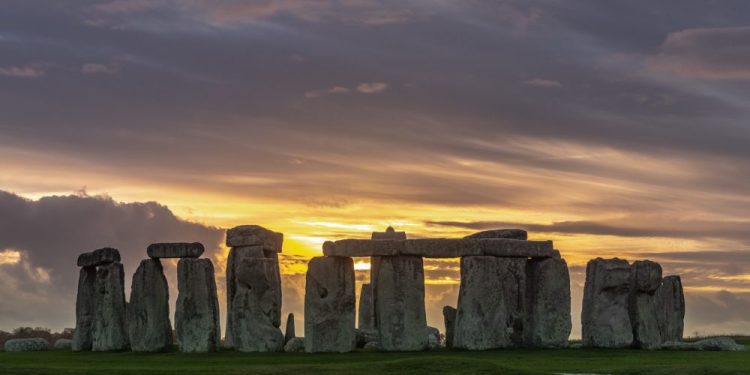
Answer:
(631, 305)
(513, 293)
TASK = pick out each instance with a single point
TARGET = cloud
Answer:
(95, 68)
(372, 88)
(543, 83)
(29, 71)
(705, 53)
(335, 90)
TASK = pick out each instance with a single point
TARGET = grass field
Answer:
(569, 361)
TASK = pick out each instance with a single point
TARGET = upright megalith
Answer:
(491, 303)
(366, 307)
(149, 327)
(671, 302)
(197, 311)
(329, 305)
(449, 317)
(644, 310)
(256, 307)
(605, 317)
(251, 241)
(548, 321)
(85, 309)
(399, 302)
(289, 331)
(109, 329)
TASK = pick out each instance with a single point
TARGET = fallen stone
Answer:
(63, 344)
(513, 234)
(295, 345)
(236, 255)
(329, 305)
(197, 312)
(548, 321)
(149, 327)
(85, 310)
(366, 307)
(109, 328)
(371, 346)
(644, 308)
(99, 257)
(449, 316)
(433, 338)
(389, 234)
(26, 345)
(256, 307)
(440, 248)
(289, 332)
(490, 303)
(366, 335)
(710, 344)
(672, 303)
(398, 289)
(605, 318)
(175, 250)
(255, 235)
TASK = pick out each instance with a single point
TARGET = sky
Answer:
(613, 128)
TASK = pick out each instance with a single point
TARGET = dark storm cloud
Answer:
(51, 232)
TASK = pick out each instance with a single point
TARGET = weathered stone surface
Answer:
(372, 346)
(672, 304)
(366, 308)
(295, 345)
(256, 307)
(440, 248)
(366, 335)
(255, 235)
(26, 345)
(236, 255)
(449, 316)
(85, 310)
(548, 321)
(109, 331)
(149, 328)
(389, 234)
(644, 308)
(513, 234)
(175, 250)
(289, 332)
(710, 344)
(433, 338)
(329, 305)
(490, 303)
(399, 303)
(63, 344)
(605, 318)
(197, 312)
(99, 257)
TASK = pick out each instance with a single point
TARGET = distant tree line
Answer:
(28, 332)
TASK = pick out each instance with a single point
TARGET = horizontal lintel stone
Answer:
(99, 257)
(175, 250)
(255, 235)
(440, 248)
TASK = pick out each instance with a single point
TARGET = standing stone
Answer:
(672, 303)
(548, 321)
(399, 303)
(645, 311)
(109, 331)
(149, 328)
(85, 310)
(389, 234)
(490, 303)
(197, 311)
(605, 318)
(236, 255)
(256, 307)
(329, 305)
(289, 332)
(366, 307)
(449, 316)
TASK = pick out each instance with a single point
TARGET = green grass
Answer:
(437, 362)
